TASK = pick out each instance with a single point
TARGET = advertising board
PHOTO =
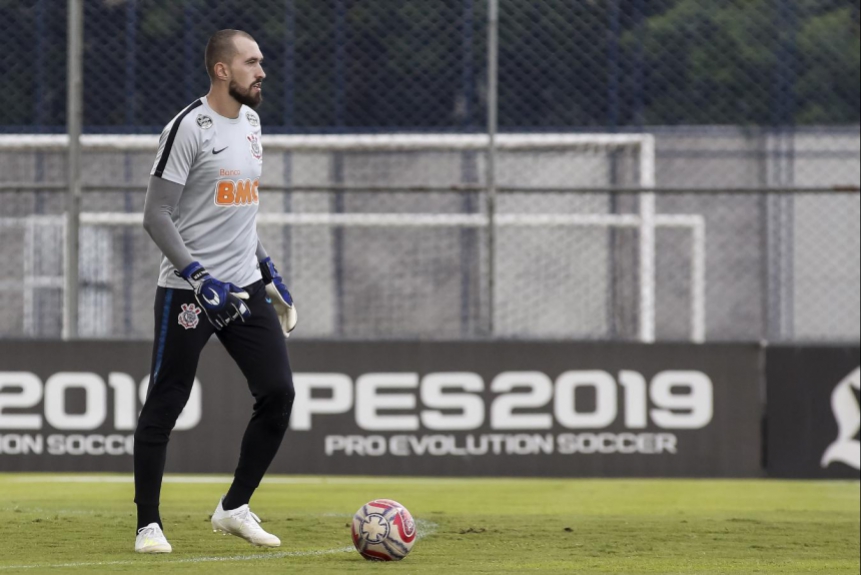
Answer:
(405, 408)
(813, 412)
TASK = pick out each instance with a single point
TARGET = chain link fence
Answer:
(378, 244)
(740, 97)
(395, 65)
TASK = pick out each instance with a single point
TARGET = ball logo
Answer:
(189, 316)
(846, 449)
(252, 119)
(375, 528)
(406, 525)
(205, 122)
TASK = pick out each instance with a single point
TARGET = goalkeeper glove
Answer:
(281, 298)
(222, 302)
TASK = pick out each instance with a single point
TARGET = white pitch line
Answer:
(259, 557)
(428, 528)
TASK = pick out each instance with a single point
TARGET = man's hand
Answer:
(222, 302)
(281, 298)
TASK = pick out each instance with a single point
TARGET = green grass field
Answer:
(85, 524)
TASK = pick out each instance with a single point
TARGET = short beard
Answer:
(246, 98)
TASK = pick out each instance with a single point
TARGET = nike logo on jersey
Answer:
(214, 152)
(215, 300)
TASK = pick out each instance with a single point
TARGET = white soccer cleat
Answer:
(242, 523)
(151, 539)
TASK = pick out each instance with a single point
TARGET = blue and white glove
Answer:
(281, 298)
(222, 302)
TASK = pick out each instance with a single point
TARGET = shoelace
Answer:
(244, 518)
(148, 531)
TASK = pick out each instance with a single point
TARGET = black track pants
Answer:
(259, 349)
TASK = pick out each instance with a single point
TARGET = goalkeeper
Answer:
(215, 278)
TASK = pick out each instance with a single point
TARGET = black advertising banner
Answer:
(813, 412)
(405, 408)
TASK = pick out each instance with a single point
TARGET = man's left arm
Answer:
(277, 291)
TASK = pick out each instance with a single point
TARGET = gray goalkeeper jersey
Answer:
(218, 160)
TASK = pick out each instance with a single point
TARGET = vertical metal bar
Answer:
(789, 23)
(128, 253)
(127, 234)
(39, 99)
(614, 69)
(492, 128)
(338, 160)
(188, 58)
(289, 64)
(778, 119)
(340, 63)
(287, 232)
(775, 221)
(74, 121)
(647, 240)
(613, 84)
(131, 62)
(469, 175)
(639, 115)
(31, 312)
(765, 268)
(289, 121)
(698, 281)
(469, 246)
(338, 248)
(764, 206)
(647, 181)
(31, 301)
(783, 156)
(789, 242)
(468, 70)
(785, 251)
(613, 243)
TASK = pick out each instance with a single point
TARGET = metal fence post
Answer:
(780, 254)
(338, 178)
(470, 260)
(289, 83)
(130, 97)
(614, 65)
(647, 240)
(131, 64)
(289, 72)
(492, 127)
(638, 113)
(39, 100)
(74, 120)
(188, 46)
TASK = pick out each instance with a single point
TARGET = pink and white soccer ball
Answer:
(383, 530)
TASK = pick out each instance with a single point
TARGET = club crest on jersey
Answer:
(256, 148)
(252, 119)
(205, 122)
(189, 316)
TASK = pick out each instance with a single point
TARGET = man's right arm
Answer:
(162, 197)
(177, 150)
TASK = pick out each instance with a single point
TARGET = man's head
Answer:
(234, 58)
